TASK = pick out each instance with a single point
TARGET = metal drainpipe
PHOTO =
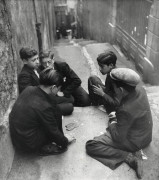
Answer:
(38, 32)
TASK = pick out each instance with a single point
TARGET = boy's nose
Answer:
(37, 61)
(47, 64)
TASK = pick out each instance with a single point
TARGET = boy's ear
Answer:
(111, 65)
(25, 61)
(54, 86)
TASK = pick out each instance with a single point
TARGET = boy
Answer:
(99, 93)
(130, 130)
(71, 90)
(28, 75)
(35, 122)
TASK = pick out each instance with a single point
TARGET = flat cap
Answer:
(125, 75)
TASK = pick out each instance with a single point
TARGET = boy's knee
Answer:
(70, 108)
(86, 101)
(94, 80)
(66, 108)
(90, 145)
(71, 100)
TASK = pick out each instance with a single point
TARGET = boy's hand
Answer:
(71, 139)
(61, 94)
(112, 115)
(98, 90)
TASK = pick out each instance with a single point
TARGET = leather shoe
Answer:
(51, 149)
(136, 164)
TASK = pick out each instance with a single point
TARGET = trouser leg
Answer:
(81, 97)
(64, 104)
(64, 99)
(95, 99)
(59, 121)
(106, 151)
(65, 108)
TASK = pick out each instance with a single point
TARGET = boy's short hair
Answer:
(46, 54)
(49, 77)
(107, 58)
(27, 52)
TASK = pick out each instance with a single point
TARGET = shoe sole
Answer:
(139, 170)
(52, 153)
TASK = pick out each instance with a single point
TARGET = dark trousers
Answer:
(65, 104)
(96, 99)
(81, 97)
(103, 149)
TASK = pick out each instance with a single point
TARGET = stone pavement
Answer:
(75, 164)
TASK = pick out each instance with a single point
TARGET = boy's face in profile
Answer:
(46, 62)
(105, 69)
(32, 62)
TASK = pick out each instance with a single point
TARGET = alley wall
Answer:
(17, 29)
(132, 25)
(96, 18)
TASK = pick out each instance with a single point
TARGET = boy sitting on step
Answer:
(104, 94)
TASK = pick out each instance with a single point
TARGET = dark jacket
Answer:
(112, 96)
(133, 129)
(27, 77)
(34, 120)
(71, 80)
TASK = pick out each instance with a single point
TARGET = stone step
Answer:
(74, 164)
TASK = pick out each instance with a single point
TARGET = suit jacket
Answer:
(34, 120)
(114, 93)
(27, 77)
(133, 129)
(71, 79)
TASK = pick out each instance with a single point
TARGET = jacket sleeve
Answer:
(49, 123)
(115, 98)
(72, 80)
(119, 130)
(24, 80)
(111, 101)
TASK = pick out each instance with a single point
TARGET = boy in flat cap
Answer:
(130, 130)
(29, 75)
(103, 94)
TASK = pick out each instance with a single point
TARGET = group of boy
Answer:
(51, 89)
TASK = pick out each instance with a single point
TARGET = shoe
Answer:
(136, 164)
(51, 149)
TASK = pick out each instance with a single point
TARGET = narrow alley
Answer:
(75, 164)
(77, 31)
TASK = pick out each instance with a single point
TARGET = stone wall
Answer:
(97, 19)
(17, 29)
(25, 14)
(102, 21)
(7, 62)
(152, 50)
